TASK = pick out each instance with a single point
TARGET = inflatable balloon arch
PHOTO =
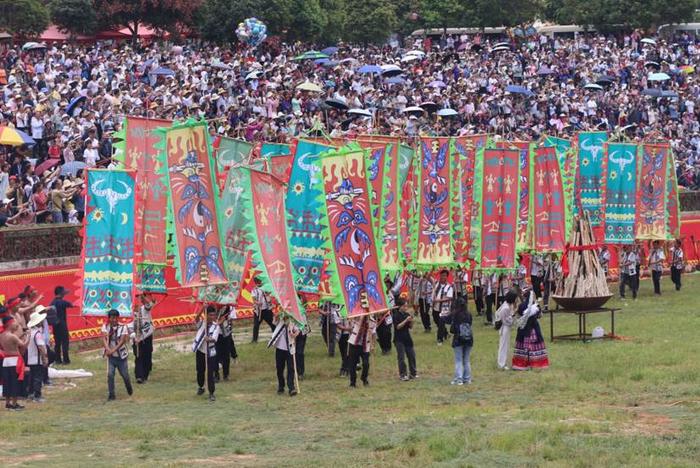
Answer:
(251, 31)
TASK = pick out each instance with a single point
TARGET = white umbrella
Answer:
(309, 86)
(252, 75)
(593, 86)
(446, 112)
(413, 110)
(646, 40)
(659, 77)
(409, 58)
(418, 53)
(391, 70)
(362, 112)
(500, 49)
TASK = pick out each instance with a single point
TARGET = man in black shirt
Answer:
(60, 327)
(403, 321)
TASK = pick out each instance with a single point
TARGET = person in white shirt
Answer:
(205, 350)
(537, 273)
(143, 338)
(114, 339)
(504, 322)
(225, 347)
(262, 309)
(677, 264)
(37, 356)
(443, 293)
(629, 275)
(656, 264)
(425, 298)
(284, 340)
(604, 258)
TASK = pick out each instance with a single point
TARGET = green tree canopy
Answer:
(23, 17)
(370, 20)
(74, 16)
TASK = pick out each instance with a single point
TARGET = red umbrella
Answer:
(48, 164)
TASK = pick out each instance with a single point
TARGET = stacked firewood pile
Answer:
(586, 275)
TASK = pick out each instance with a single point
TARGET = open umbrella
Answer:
(500, 49)
(311, 55)
(437, 84)
(649, 41)
(74, 103)
(322, 61)
(658, 77)
(594, 86)
(515, 89)
(688, 69)
(391, 70)
(33, 46)
(429, 107)
(502, 44)
(414, 110)
(446, 112)
(309, 86)
(653, 92)
(360, 112)
(46, 165)
(348, 60)
(395, 80)
(254, 75)
(418, 53)
(604, 80)
(162, 71)
(329, 50)
(72, 168)
(329, 63)
(13, 137)
(336, 104)
(652, 64)
(409, 58)
(668, 94)
(544, 70)
(369, 69)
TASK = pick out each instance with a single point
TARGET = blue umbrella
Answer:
(653, 92)
(545, 71)
(321, 61)
(370, 69)
(395, 80)
(330, 63)
(73, 104)
(437, 84)
(162, 71)
(514, 89)
(329, 50)
(72, 168)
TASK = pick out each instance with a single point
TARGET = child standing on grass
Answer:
(403, 322)
(115, 339)
(204, 347)
(462, 342)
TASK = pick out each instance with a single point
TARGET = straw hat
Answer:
(37, 316)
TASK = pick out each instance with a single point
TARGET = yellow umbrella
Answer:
(13, 137)
(309, 86)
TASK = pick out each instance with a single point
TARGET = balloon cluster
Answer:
(252, 31)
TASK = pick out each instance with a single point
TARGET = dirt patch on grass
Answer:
(17, 461)
(649, 424)
(222, 460)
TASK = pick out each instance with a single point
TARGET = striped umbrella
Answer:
(13, 137)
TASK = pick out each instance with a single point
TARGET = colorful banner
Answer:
(464, 159)
(408, 204)
(590, 189)
(432, 237)
(231, 152)
(549, 212)
(651, 193)
(232, 222)
(567, 165)
(280, 165)
(674, 215)
(620, 193)
(271, 149)
(525, 220)
(198, 257)
(354, 271)
(499, 208)
(108, 244)
(267, 233)
(375, 172)
(304, 219)
(390, 256)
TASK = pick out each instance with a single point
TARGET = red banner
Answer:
(281, 166)
(151, 193)
(434, 246)
(269, 217)
(550, 221)
(199, 258)
(674, 221)
(375, 173)
(355, 267)
(466, 148)
(499, 208)
(651, 194)
(407, 207)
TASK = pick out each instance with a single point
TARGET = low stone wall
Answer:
(34, 246)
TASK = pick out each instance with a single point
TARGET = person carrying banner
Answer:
(478, 289)
(385, 322)
(204, 347)
(677, 264)
(537, 273)
(225, 348)
(425, 298)
(329, 321)
(442, 302)
(343, 333)
(262, 309)
(284, 340)
(143, 338)
(115, 337)
(403, 322)
(656, 265)
(360, 341)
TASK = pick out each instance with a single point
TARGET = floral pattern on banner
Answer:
(549, 210)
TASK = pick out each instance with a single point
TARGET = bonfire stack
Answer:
(586, 275)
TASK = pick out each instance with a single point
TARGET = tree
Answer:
(74, 16)
(443, 13)
(494, 13)
(370, 21)
(23, 17)
(307, 21)
(163, 14)
(336, 11)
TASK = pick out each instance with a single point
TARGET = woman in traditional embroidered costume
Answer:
(530, 351)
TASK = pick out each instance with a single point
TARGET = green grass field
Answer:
(634, 401)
